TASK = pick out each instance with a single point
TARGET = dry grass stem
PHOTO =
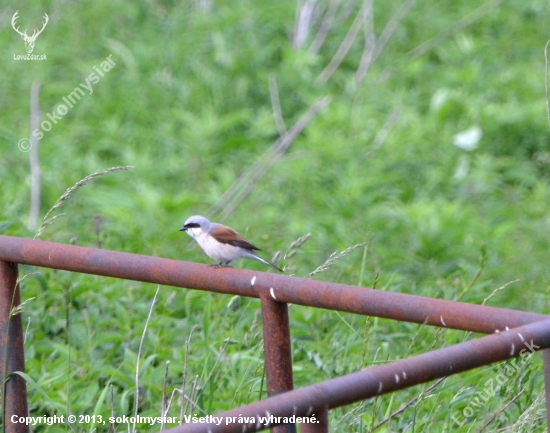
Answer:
(139, 355)
(438, 335)
(390, 27)
(345, 46)
(374, 47)
(250, 178)
(24, 277)
(347, 11)
(325, 27)
(292, 249)
(494, 415)
(383, 133)
(299, 242)
(276, 105)
(376, 276)
(531, 416)
(27, 331)
(498, 290)
(172, 394)
(408, 404)
(165, 405)
(482, 262)
(454, 28)
(546, 81)
(182, 411)
(33, 157)
(332, 259)
(367, 58)
(112, 427)
(304, 17)
(18, 309)
(46, 224)
(190, 400)
(71, 190)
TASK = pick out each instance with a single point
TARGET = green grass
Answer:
(188, 106)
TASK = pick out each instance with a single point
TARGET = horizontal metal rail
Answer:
(374, 381)
(332, 296)
(519, 329)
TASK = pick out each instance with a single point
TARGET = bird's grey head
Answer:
(196, 225)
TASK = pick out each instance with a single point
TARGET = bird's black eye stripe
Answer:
(191, 225)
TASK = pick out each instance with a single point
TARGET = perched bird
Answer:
(220, 242)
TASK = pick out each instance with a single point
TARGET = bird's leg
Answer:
(221, 265)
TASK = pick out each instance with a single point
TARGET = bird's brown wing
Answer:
(226, 235)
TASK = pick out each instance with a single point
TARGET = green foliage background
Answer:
(188, 106)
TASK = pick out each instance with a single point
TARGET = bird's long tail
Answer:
(255, 257)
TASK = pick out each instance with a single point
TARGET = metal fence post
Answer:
(546, 359)
(320, 427)
(12, 358)
(277, 352)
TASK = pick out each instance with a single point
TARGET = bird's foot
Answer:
(221, 265)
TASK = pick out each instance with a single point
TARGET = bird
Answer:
(220, 242)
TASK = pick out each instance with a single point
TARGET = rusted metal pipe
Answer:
(397, 306)
(12, 357)
(321, 427)
(382, 379)
(546, 366)
(277, 351)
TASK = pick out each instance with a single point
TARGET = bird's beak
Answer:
(183, 229)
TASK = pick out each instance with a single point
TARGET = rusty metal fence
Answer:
(509, 329)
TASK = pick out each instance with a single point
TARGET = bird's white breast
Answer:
(216, 250)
